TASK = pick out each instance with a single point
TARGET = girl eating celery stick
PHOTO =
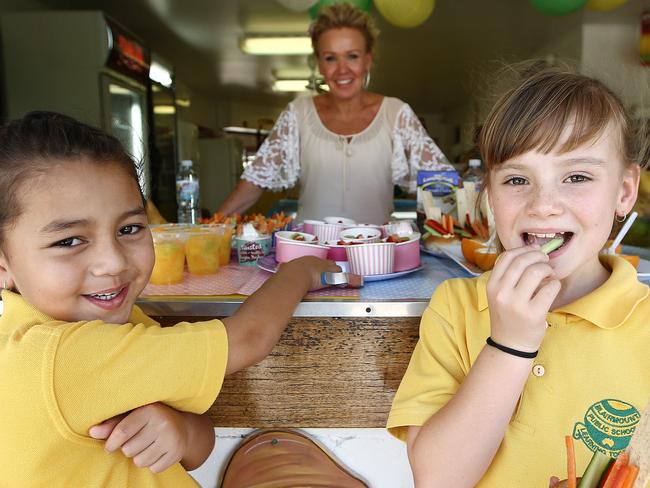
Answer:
(555, 339)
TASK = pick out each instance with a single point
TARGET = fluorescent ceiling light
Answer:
(164, 109)
(183, 102)
(160, 74)
(276, 45)
(290, 85)
(292, 73)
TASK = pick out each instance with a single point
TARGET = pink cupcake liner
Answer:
(371, 259)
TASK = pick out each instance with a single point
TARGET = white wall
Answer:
(610, 51)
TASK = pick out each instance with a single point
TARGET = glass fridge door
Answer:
(124, 117)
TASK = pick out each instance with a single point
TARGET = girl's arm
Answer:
(457, 444)
(157, 436)
(257, 325)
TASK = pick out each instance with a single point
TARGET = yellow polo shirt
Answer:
(590, 379)
(58, 379)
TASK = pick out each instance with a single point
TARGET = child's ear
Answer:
(629, 189)
(5, 275)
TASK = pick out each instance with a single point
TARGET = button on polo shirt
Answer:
(591, 345)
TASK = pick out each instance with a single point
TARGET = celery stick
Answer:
(597, 466)
(552, 245)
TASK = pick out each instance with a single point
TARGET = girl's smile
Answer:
(80, 249)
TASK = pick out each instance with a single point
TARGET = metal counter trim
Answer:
(214, 307)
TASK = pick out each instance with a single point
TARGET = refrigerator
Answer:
(82, 64)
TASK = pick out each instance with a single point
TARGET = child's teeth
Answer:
(104, 296)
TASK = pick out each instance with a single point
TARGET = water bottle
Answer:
(474, 173)
(187, 194)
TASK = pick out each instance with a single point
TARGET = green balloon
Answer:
(360, 4)
(558, 7)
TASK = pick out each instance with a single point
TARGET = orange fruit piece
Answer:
(469, 247)
(485, 258)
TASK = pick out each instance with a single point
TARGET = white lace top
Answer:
(345, 176)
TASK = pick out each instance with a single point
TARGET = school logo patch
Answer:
(608, 426)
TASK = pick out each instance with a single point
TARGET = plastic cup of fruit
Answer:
(202, 249)
(169, 249)
(225, 242)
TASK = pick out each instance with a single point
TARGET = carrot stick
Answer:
(621, 477)
(570, 462)
(632, 473)
(620, 462)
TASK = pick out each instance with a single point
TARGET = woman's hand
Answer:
(155, 436)
(520, 292)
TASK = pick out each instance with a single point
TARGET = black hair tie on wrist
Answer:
(509, 350)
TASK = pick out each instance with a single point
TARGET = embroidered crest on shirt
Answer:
(608, 426)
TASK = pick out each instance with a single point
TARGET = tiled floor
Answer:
(372, 454)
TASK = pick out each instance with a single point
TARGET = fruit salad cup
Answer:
(169, 248)
(203, 249)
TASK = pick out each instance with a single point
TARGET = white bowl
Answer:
(363, 235)
(289, 235)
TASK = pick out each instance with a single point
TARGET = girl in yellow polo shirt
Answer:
(75, 253)
(543, 346)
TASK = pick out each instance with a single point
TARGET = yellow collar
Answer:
(18, 312)
(622, 288)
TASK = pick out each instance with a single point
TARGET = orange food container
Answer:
(485, 258)
(169, 249)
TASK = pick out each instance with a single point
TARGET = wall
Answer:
(610, 51)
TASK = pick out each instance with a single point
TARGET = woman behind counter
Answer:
(347, 147)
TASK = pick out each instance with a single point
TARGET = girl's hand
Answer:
(520, 292)
(154, 435)
(314, 267)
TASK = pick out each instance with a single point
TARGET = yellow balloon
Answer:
(402, 13)
(604, 5)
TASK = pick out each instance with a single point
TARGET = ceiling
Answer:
(432, 66)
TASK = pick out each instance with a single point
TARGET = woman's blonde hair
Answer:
(535, 114)
(343, 15)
